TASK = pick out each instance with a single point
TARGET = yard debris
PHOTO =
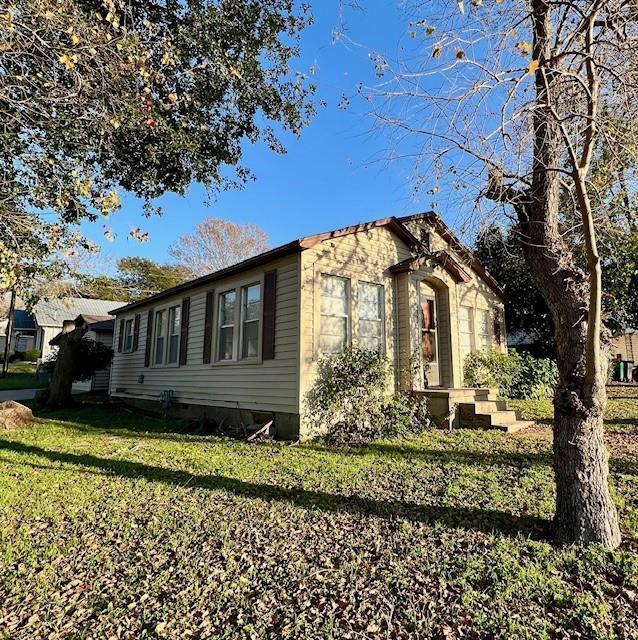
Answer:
(262, 431)
(14, 415)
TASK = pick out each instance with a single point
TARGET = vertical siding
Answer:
(270, 385)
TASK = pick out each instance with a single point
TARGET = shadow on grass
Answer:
(486, 520)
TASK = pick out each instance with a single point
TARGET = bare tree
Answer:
(218, 243)
(505, 101)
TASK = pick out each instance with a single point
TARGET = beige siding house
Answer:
(243, 343)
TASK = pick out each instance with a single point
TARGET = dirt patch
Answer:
(14, 415)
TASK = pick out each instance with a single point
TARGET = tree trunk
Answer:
(59, 392)
(585, 512)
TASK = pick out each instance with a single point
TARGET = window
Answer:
(226, 325)
(466, 331)
(127, 346)
(483, 329)
(160, 336)
(174, 327)
(335, 314)
(250, 316)
(370, 308)
(428, 329)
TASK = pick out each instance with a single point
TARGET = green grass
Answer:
(114, 525)
(21, 376)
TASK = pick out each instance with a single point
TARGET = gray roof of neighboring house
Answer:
(23, 320)
(52, 313)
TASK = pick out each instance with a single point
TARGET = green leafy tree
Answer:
(100, 96)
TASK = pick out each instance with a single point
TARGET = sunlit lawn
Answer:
(114, 525)
(21, 376)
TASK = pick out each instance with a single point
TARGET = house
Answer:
(100, 329)
(247, 339)
(626, 345)
(35, 330)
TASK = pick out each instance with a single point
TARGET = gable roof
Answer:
(52, 313)
(392, 223)
(447, 234)
(301, 244)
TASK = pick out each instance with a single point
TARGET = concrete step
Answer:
(513, 427)
(490, 406)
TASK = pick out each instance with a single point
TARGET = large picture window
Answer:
(370, 309)
(227, 304)
(466, 331)
(250, 316)
(335, 314)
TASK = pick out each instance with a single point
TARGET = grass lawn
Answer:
(114, 525)
(21, 376)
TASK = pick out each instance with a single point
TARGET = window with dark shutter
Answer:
(120, 337)
(149, 338)
(136, 332)
(183, 340)
(268, 327)
(208, 328)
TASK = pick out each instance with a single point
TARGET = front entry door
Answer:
(429, 341)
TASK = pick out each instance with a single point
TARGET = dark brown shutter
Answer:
(149, 338)
(120, 337)
(136, 332)
(183, 340)
(268, 329)
(208, 327)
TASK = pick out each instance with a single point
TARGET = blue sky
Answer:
(330, 177)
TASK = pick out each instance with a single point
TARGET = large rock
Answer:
(14, 415)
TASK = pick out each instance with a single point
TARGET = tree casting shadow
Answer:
(486, 520)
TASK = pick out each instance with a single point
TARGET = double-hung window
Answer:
(466, 331)
(127, 346)
(174, 328)
(226, 336)
(167, 331)
(370, 310)
(483, 328)
(335, 314)
(250, 316)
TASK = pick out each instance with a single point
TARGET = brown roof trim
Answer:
(263, 258)
(443, 258)
(392, 223)
(448, 234)
(255, 261)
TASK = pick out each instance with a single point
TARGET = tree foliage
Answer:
(102, 95)
(89, 356)
(218, 243)
(136, 278)
(526, 311)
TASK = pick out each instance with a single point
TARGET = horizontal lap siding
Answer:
(271, 385)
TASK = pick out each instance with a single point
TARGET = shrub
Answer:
(516, 375)
(350, 400)
(90, 356)
(32, 355)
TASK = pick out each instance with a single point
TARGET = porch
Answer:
(472, 408)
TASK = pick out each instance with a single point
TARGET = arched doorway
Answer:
(434, 335)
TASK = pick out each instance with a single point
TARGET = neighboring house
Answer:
(24, 334)
(36, 330)
(626, 345)
(248, 338)
(99, 329)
